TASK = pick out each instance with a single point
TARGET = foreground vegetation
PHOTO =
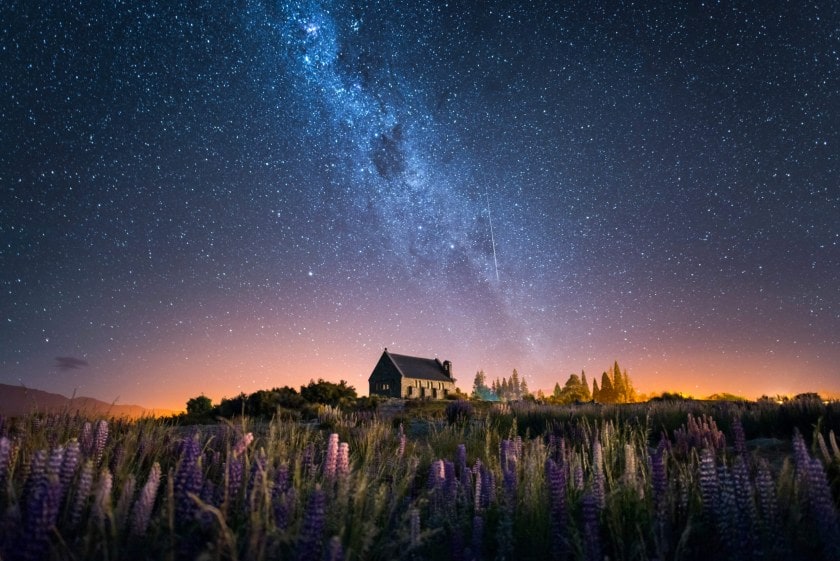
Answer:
(458, 480)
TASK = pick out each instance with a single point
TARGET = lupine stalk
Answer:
(100, 439)
(188, 480)
(335, 552)
(414, 526)
(477, 537)
(598, 485)
(142, 511)
(83, 489)
(591, 528)
(310, 540)
(342, 464)
(5, 460)
(331, 457)
(102, 501)
(708, 483)
(556, 480)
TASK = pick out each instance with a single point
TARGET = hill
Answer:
(19, 400)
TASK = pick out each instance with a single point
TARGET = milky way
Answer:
(222, 199)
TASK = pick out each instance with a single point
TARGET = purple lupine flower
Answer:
(414, 526)
(37, 472)
(142, 511)
(659, 479)
(477, 537)
(342, 463)
(235, 469)
(100, 439)
(555, 477)
(708, 482)
(310, 540)
(461, 459)
(308, 460)
(488, 487)
(822, 508)
(5, 459)
(331, 456)
(40, 516)
(479, 503)
(83, 488)
(769, 519)
(747, 515)
(188, 480)
(102, 500)
(738, 437)
(591, 528)
(56, 458)
(117, 458)
(72, 457)
(335, 552)
(451, 482)
(86, 439)
(578, 477)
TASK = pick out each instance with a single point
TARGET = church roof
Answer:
(416, 367)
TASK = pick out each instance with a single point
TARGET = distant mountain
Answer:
(18, 400)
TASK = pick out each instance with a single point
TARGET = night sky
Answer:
(213, 198)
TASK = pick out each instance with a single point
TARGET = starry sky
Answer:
(208, 198)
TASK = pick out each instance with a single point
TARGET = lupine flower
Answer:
(477, 537)
(83, 488)
(5, 459)
(479, 503)
(235, 468)
(100, 439)
(402, 439)
(740, 440)
(72, 456)
(144, 504)
(311, 534)
(578, 477)
(242, 444)
(331, 457)
(86, 439)
(747, 515)
(598, 490)
(342, 464)
(40, 517)
(591, 529)
(335, 552)
(556, 479)
(708, 482)
(37, 472)
(451, 482)
(414, 526)
(188, 480)
(308, 460)
(56, 458)
(461, 459)
(659, 481)
(102, 501)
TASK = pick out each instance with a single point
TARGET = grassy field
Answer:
(671, 480)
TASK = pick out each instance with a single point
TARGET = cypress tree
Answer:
(607, 391)
(619, 385)
(587, 395)
(596, 393)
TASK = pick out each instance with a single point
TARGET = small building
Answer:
(411, 377)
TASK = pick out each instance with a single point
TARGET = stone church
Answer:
(411, 377)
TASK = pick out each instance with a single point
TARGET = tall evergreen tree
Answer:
(607, 393)
(523, 389)
(558, 391)
(630, 391)
(587, 395)
(596, 393)
(619, 385)
(479, 385)
(515, 390)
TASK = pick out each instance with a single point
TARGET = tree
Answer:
(587, 394)
(607, 393)
(479, 385)
(328, 393)
(619, 385)
(596, 393)
(558, 391)
(199, 406)
(514, 387)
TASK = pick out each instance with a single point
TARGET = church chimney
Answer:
(447, 367)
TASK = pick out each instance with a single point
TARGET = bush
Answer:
(458, 412)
